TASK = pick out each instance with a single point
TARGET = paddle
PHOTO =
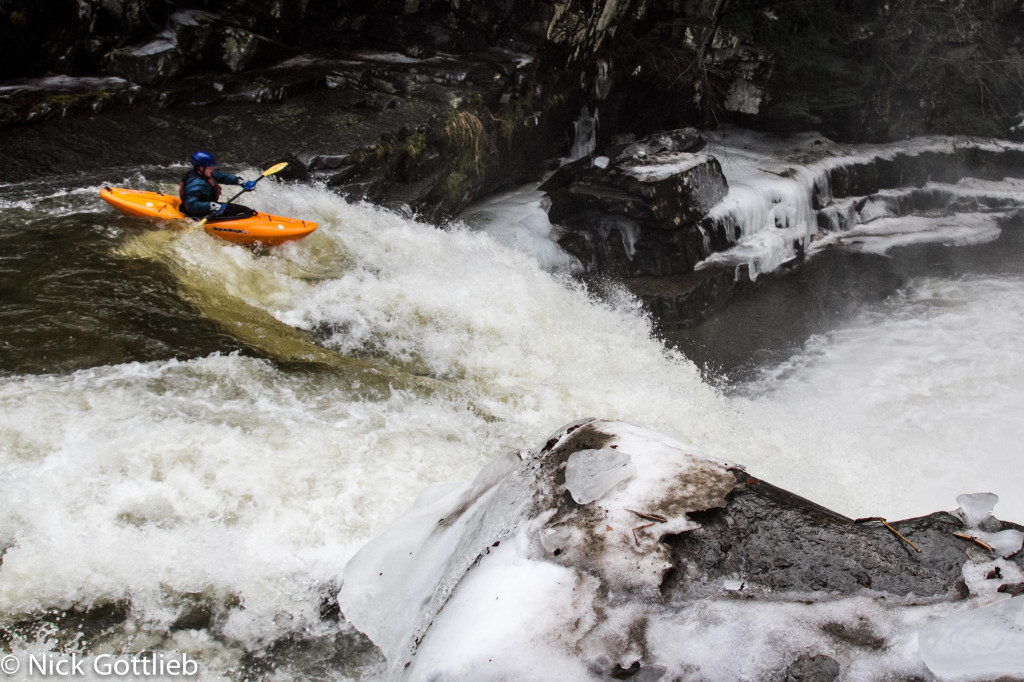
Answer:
(270, 171)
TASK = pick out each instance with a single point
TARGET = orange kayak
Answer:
(260, 228)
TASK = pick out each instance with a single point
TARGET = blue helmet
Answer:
(202, 159)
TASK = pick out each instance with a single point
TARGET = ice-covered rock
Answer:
(635, 211)
(976, 509)
(663, 572)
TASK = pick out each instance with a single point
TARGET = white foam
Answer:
(229, 476)
(233, 477)
(518, 219)
(910, 381)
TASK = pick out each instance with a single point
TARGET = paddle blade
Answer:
(275, 169)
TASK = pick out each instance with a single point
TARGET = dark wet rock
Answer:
(523, 68)
(315, 656)
(867, 177)
(728, 324)
(818, 668)
(196, 613)
(387, 129)
(670, 273)
(638, 214)
(783, 547)
(1012, 589)
(688, 140)
(861, 635)
(41, 99)
(95, 624)
(240, 50)
(203, 610)
(659, 181)
(192, 40)
(840, 68)
(684, 301)
(157, 60)
(620, 246)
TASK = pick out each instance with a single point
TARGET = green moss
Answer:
(77, 99)
(455, 185)
(8, 115)
(416, 144)
(397, 155)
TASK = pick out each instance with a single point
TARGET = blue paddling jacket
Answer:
(197, 192)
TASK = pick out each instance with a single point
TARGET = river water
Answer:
(195, 437)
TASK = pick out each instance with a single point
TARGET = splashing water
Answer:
(404, 356)
(381, 356)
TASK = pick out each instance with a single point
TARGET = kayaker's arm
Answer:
(227, 178)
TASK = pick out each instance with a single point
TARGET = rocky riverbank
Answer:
(445, 101)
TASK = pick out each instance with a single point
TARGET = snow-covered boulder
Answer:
(612, 551)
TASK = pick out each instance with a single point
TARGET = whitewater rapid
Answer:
(403, 356)
(245, 481)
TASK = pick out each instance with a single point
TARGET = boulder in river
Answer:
(652, 195)
(613, 551)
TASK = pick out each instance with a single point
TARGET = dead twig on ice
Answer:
(653, 518)
(650, 517)
(646, 525)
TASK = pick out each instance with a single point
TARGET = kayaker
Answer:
(200, 189)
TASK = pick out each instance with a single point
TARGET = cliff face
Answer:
(853, 69)
(504, 81)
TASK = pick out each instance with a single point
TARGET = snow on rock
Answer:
(665, 165)
(611, 550)
(396, 585)
(884, 234)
